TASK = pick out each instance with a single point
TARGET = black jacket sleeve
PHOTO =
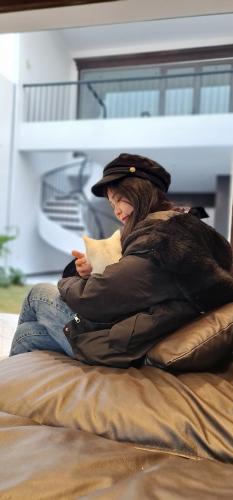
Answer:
(123, 289)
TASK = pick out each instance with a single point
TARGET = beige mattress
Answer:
(69, 431)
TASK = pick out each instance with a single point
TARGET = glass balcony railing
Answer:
(176, 93)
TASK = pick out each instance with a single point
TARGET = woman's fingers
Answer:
(81, 257)
(77, 254)
(82, 261)
(82, 265)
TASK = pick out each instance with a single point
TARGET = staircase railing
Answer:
(68, 182)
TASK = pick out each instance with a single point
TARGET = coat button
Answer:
(77, 319)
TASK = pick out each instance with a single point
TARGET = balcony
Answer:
(157, 114)
(176, 93)
(184, 119)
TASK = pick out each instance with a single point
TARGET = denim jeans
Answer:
(41, 322)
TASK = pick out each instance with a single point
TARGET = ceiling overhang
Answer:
(67, 14)
(15, 5)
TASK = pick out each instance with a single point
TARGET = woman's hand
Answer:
(82, 265)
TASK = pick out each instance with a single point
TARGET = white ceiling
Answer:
(192, 169)
(150, 35)
(108, 13)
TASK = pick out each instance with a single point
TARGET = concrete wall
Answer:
(6, 97)
(191, 147)
(43, 57)
(29, 251)
(150, 36)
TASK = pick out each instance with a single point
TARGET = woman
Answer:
(173, 268)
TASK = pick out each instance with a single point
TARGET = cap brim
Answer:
(99, 188)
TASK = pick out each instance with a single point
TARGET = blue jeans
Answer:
(41, 322)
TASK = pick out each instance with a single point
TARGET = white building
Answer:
(170, 96)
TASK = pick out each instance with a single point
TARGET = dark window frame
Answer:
(210, 54)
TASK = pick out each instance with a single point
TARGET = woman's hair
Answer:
(144, 196)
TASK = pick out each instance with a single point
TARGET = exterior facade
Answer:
(81, 97)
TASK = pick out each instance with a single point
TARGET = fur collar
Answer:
(198, 258)
(163, 215)
(174, 238)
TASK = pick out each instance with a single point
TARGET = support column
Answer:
(223, 207)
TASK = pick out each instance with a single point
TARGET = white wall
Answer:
(6, 99)
(43, 57)
(159, 132)
(9, 46)
(150, 36)
(29, 252)
(191, 147)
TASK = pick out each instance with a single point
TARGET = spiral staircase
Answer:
(68, 210)
(65, 212)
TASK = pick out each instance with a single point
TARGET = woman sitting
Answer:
(173, 268)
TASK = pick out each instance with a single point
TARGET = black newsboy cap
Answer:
(126, 165)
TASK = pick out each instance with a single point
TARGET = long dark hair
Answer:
(144, 196)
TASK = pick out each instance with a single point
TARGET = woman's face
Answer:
(121, 206)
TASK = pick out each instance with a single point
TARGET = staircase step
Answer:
(73, 227)
(54, 210)
(68, 198)
(62, 203)
(63, 218)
